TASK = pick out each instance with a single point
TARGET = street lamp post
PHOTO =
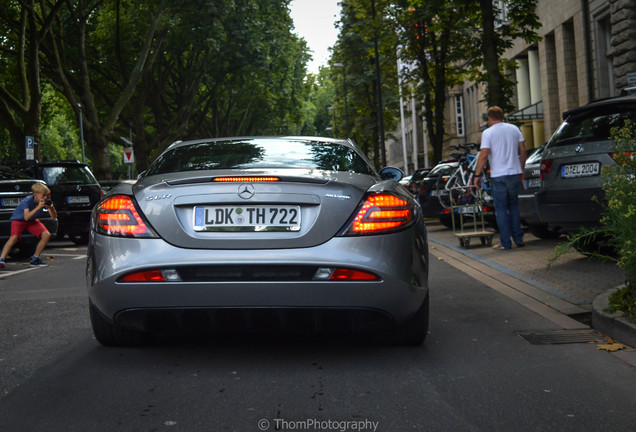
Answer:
(81, 126)
(379, 89)
(344, 85)
(335, 130)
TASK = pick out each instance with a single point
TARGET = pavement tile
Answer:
(574, 277)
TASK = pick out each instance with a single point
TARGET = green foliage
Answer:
(618, 223)
(355, 50)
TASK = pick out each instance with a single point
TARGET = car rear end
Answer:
(571, 195)
(74, 191)
(297, 244)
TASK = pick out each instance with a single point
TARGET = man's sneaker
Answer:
(35, 262)
(2, 263)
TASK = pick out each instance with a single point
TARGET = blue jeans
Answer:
(505, 192)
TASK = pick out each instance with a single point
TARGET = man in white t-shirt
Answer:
(504, 146)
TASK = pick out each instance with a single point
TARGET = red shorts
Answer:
(35, 227)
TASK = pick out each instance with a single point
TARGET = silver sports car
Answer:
(244, 234)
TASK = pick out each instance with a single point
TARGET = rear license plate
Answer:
(470, 209)
(78, 200)
(10, 202)
(247, 218)
(581, 170)
(533, 183)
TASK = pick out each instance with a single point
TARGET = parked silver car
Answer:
(571, 192)
(287, 233)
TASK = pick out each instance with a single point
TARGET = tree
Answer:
(438, 37)
(355, 50)
(91, 69)
(499, 28)
(24, 26)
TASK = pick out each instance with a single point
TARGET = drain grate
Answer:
(562, 336)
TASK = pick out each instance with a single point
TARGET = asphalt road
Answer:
(474, 373)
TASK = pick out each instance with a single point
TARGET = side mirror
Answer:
(391, 173)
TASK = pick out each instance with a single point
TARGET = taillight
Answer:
(118, 216)
(545, 167)
(381, 213)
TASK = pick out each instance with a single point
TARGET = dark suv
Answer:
(74, 192)
(571, 192)
(14, 187)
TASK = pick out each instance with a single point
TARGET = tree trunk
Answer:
(489, 45)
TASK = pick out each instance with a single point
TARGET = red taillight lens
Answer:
(144, 276)
(546, 166)
(118, 216)
(381, 213)
(354, 275)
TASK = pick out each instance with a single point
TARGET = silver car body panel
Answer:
(328, 201)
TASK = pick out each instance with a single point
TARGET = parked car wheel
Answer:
(447, 221)
(597, 245)
(543, 232)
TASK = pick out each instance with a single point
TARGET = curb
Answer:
(612, 324)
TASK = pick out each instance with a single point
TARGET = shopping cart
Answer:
(467, 215)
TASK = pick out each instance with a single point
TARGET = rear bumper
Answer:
(570, 210)
(528, 209)
(396, 297)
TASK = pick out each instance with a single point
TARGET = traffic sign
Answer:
(129, 155)
(29, 145)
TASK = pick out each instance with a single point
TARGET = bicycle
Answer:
(458, 188)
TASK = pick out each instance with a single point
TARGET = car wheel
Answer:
(447, 221)
(543, 232)
(79, 238)
(414, 331)
(597, 245)
(109, 334)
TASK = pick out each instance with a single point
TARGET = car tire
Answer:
(414, 331)
(543, 232)
(447, 221)
(598, 245)
(109, 334)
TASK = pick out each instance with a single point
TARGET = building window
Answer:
(605, 66)
(501, 13)
(459, 115)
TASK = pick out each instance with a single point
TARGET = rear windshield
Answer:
(260, 153)
(10, 174)
(592, 126)
(57, 175)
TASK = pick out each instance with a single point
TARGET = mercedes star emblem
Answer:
(246, 191)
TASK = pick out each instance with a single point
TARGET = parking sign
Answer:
(29, 146)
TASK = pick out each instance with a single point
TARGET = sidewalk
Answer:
(563, 293)
(573, 277)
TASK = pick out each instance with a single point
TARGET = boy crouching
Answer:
(25, 217)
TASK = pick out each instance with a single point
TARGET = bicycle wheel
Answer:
(441, 192)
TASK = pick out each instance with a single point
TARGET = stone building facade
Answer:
(587, 52)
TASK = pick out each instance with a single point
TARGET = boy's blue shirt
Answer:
(26, 203)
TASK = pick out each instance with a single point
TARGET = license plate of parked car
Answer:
(10, 202)
(470, 209)
(78, 200)
(581, 170)
(532, 183)
(247, 218)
